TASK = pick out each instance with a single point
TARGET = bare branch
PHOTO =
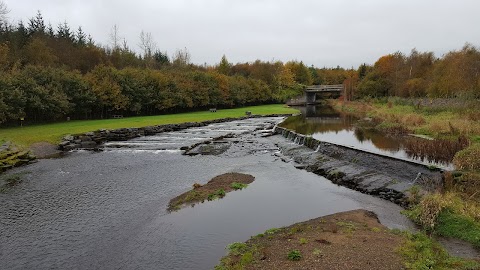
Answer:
(115, 37)
(147, 44)
(3, 11)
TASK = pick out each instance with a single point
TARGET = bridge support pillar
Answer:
(310, 97)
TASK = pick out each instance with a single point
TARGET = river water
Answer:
(107, 210)
(325, 124)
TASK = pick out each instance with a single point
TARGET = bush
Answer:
(468, 158)
(220, 193)
(294, 255)
(238, 186)
(237, 248)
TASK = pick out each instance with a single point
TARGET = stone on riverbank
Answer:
(11, 156)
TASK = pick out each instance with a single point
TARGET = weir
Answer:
(387, 177)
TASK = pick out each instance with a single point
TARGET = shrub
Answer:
(237, 248)
(220, 193)
(246, 258)
(294, 255)
(272, 231)
(413, 119)
(468, 158)
(238, 186)
(431, 206)
(212, 196)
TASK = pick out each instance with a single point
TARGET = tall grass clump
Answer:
(468, 158)
(447, 214)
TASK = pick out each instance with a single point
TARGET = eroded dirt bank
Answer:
(347, 240)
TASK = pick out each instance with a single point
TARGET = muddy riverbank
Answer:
(108, 209)
(348, 240)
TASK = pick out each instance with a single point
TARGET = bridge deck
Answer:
(325, 88)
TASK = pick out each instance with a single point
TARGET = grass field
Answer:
(27, 135)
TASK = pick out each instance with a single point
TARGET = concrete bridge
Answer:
(325, 91)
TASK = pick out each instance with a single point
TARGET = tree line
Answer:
(420, 74)
(50, 73)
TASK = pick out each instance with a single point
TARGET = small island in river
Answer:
(216, 188)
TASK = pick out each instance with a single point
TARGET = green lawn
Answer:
(27, 135)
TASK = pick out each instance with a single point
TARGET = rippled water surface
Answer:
(107, 210)
(326, 124)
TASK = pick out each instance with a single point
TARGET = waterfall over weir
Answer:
(372, 173)
(298, 138)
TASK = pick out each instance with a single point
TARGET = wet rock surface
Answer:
(11, 157)
(95, 139)
(374, 174)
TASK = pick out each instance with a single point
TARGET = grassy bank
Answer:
(52, 133)
(453, 211)
(428, 119)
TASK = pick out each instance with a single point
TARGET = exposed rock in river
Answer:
(94, 140)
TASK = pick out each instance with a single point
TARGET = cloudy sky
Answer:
(322, 33)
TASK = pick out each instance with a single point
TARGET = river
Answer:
(328, 125)
(108, 210)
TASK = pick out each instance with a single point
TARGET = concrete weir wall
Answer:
(370, 173)
(94, 140)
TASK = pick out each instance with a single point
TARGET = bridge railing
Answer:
(332, 87)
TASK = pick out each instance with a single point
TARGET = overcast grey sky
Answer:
(322, 33)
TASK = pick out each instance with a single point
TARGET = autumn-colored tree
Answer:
(264, 71)
(103, 82)
(331, 75)
(350, 84)
(457, 74)
(300, 72)
(285, 86)
(37, 52)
